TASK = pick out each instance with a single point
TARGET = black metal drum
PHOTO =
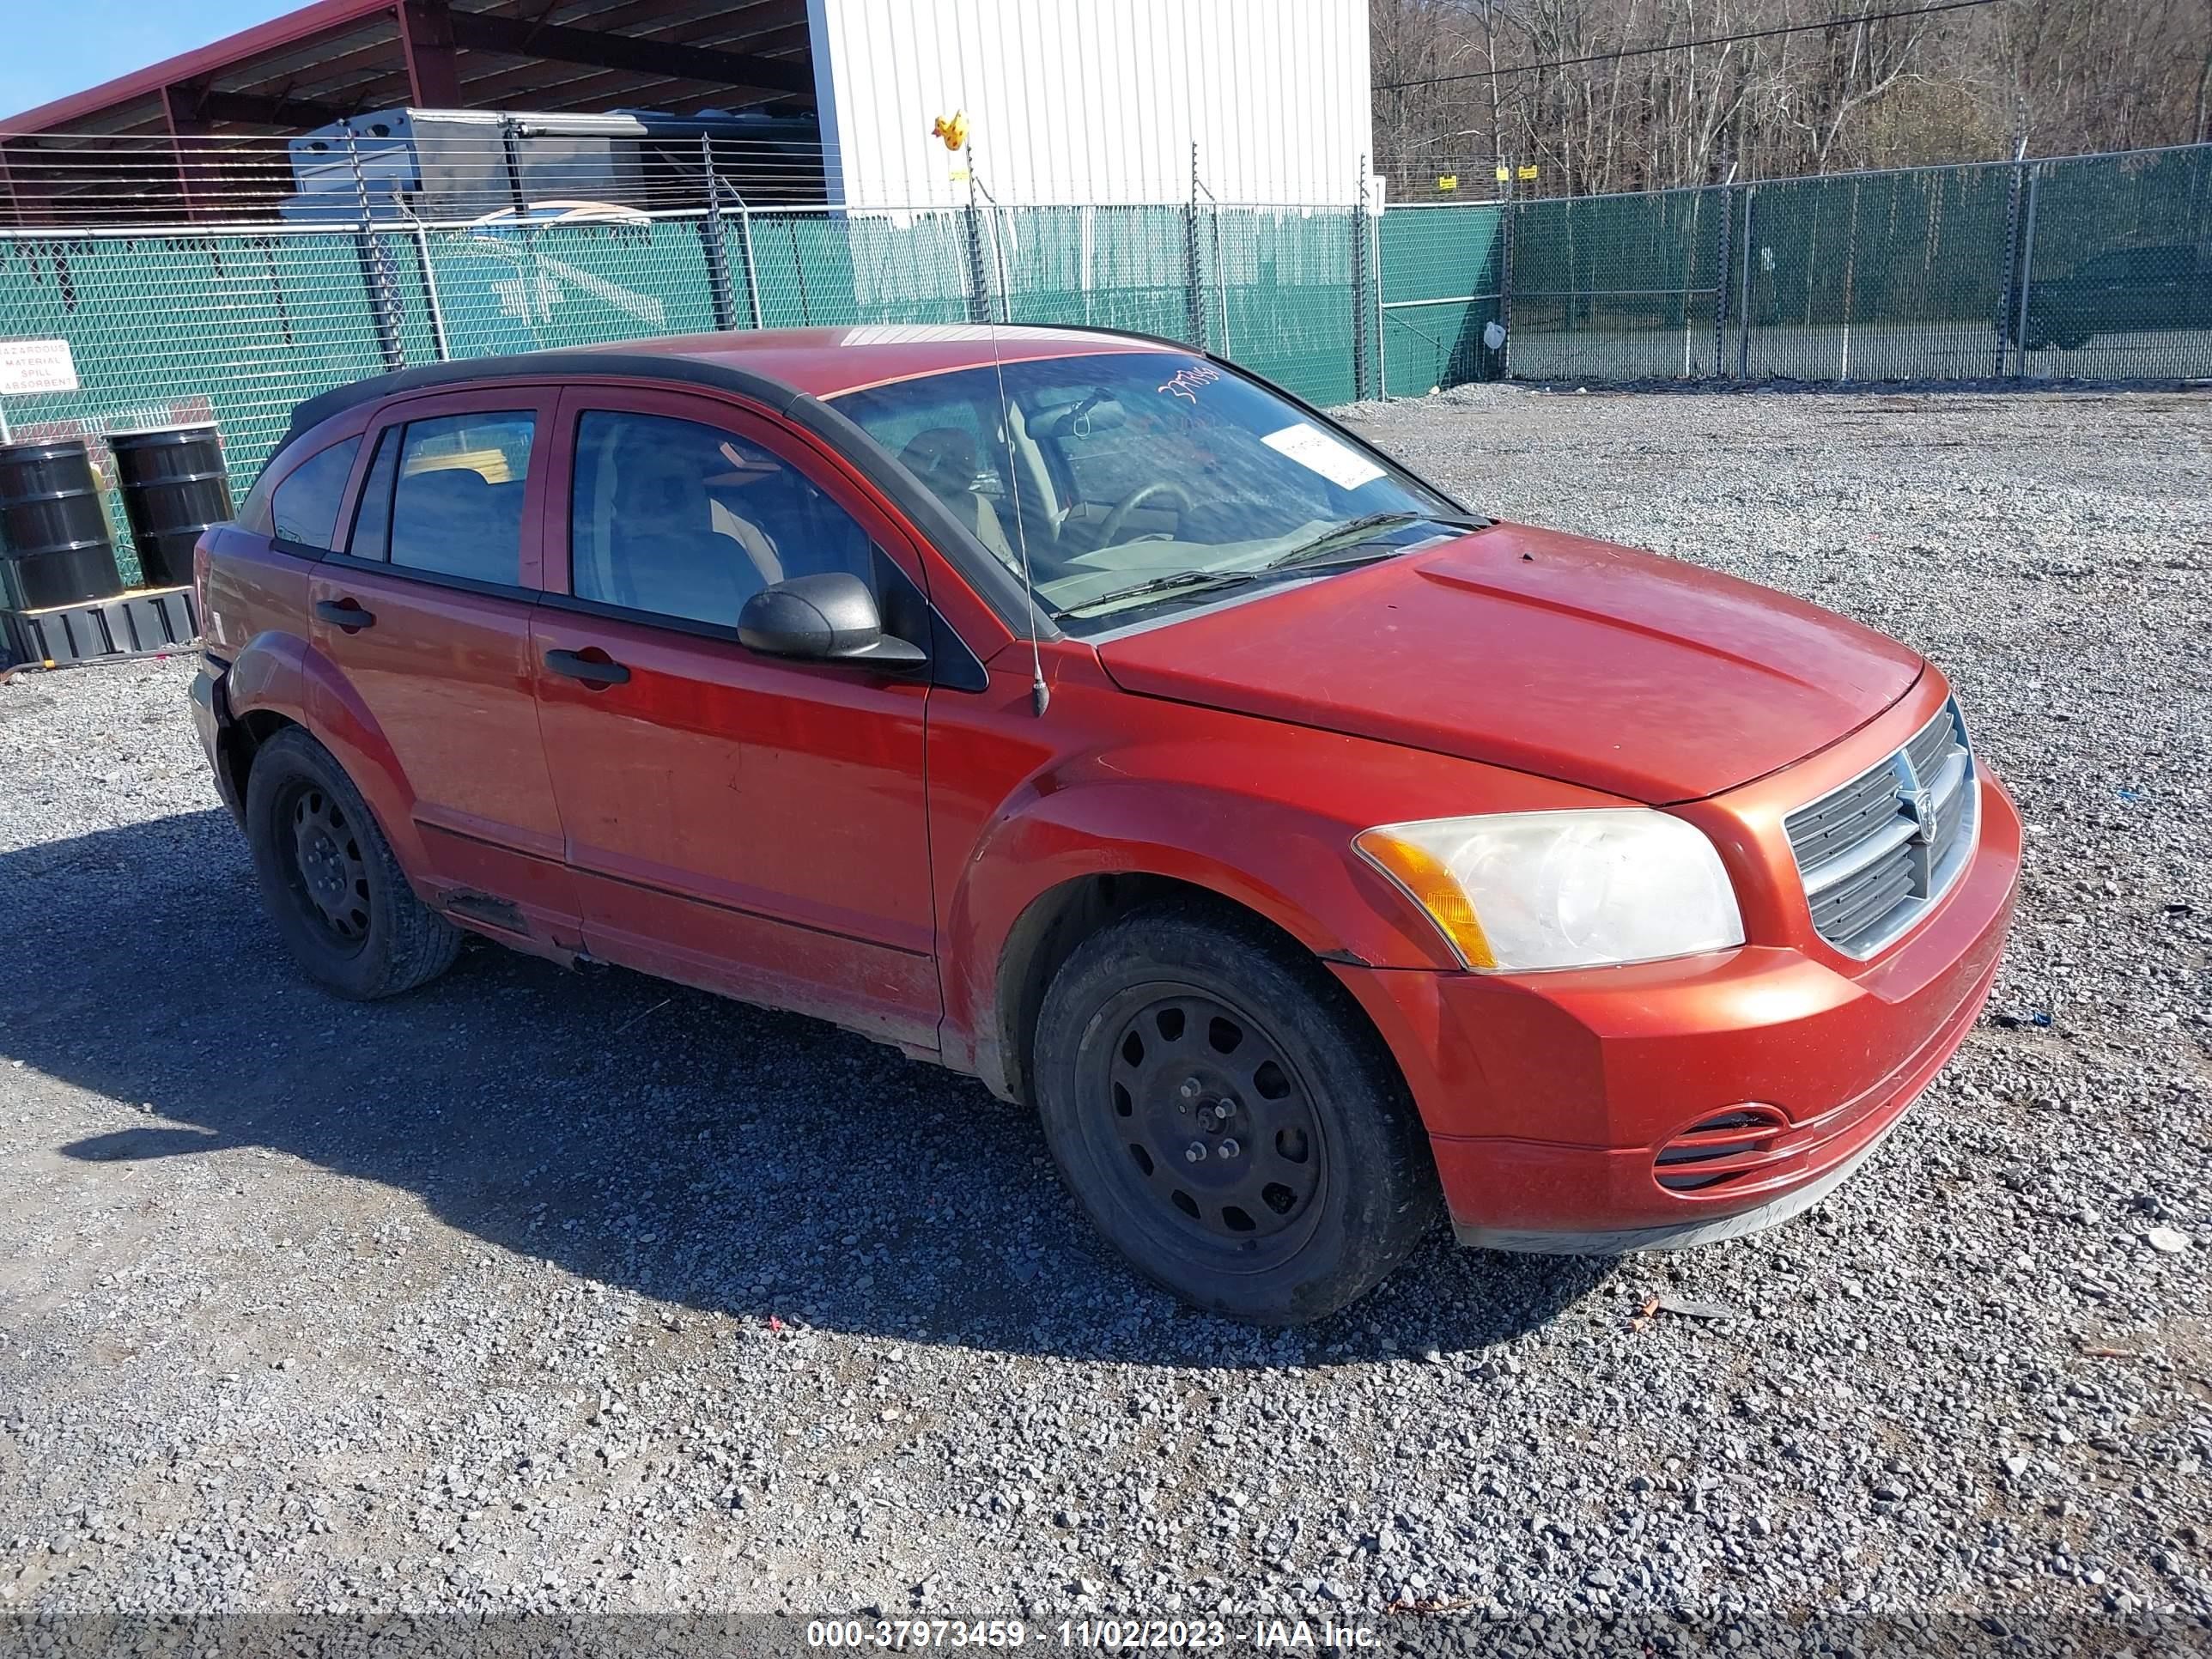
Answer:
(174, 486)
(54, 544)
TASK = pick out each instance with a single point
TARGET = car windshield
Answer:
(1144, 479)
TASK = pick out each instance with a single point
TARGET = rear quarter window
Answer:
(303, 508)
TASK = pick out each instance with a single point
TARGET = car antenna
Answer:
(1040, 693)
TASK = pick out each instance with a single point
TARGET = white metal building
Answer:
(1094, 100)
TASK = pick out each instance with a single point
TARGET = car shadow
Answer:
(650, 1137)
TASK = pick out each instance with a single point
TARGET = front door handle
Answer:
(346, 614)
(594, 667)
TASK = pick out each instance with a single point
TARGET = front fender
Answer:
(1281, 860)
(1277, 860)
(1266, 824)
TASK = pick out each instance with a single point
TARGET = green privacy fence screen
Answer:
(1442, 281)
(2089, 267)
(2095, 266)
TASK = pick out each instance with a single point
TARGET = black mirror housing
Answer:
(828, 617)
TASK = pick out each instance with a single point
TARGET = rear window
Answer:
(304, 507)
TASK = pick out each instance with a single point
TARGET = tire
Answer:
(1315, 1181)
(335, 891)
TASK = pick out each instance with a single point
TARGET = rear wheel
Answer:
(1227, 1120)
(332, 886)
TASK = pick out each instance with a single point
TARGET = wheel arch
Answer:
(242, 739)
(281, 680)
(1059, 920)
(1060, 861)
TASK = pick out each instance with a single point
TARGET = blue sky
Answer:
(55, 47)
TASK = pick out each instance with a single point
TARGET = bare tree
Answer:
(1629, 94)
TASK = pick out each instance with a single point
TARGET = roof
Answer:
(782, 366)
(824, 363)
(346, 57)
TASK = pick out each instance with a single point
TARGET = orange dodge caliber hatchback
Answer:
(1082, 713)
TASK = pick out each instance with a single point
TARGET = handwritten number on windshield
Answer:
(1188, 380)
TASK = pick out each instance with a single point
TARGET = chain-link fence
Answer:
(2092, 267)
(1443, 286)
(2097, 267)
(237, 325)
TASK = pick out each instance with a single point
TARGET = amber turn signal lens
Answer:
(1431, 885)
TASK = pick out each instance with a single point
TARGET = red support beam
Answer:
(426, 40)
(310, 22)
(14, 213)
(198, 184)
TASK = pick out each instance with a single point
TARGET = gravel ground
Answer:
(544, 1289)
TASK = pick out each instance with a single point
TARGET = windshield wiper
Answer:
(1334, 542)
(1181, 578)
(1350, 533)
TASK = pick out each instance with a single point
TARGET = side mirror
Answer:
(829, 618)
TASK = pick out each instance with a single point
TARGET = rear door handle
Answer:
(599, 670)
(346, 614)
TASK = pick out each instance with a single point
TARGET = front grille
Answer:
(1877, 852)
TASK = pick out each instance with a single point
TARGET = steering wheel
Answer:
(1108, 532)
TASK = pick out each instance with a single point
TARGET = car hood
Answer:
(1600, 666)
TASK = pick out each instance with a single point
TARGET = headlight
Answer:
(1521, 890)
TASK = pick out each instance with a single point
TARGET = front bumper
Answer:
(1548, 1097)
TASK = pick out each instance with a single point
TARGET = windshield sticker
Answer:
(1315, 450)
(1187, 381)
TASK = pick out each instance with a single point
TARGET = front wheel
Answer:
(1227, 1121)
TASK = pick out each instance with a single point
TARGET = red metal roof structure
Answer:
(334, 59)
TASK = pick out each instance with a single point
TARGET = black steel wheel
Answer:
(334, 890)
(1226, 1118)
(1215, 1125)
(323, 863)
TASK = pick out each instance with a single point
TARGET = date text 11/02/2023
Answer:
(1105, 1635)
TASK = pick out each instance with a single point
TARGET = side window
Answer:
(457, 498)
(372, 520)
(305, 507)
(683, 520)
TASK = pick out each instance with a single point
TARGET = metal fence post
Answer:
(1505, 271)
(745, 252)
(1382, 312)
(1721, 282)
(710, 239)
(1194, 271)
(1360, 290)
(438, 339)
(375, 262)
(2027, 271)
(2008, 295)
(1743, 291)
(1850, 269)
(1220, 275)
(979, 276)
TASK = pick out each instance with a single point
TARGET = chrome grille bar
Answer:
(1875, 853)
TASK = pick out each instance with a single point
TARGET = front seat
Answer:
(945, 458)
(667, 555)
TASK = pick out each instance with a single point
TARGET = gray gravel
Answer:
(542, 1290)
